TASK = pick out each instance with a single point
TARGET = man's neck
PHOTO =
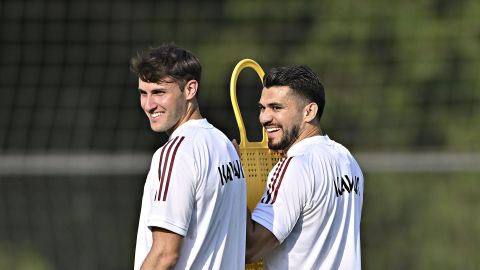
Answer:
(192, 113)
(309, 131)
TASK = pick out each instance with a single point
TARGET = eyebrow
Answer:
(272, 104)
(153, 90)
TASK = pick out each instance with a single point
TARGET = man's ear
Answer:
(191, 88)
(310, 111)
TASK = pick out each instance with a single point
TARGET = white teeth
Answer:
(157, 114)
(272, 129)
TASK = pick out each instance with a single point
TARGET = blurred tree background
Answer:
(400, 77)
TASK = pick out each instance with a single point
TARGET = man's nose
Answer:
(265, 117)
(150, 103)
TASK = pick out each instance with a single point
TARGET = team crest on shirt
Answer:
(346, 183)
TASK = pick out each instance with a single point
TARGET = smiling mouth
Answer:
(272, 129)
(155, 115)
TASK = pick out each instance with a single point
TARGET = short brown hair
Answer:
(168, 60)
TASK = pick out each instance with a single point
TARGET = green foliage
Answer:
(421, 221)
(400, 75)
(22, 258)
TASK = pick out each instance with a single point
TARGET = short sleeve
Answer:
(284, 198)
(173, 202)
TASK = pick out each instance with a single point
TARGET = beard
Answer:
(289, 137)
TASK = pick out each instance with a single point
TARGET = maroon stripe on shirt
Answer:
(281, 178)
(161, 172)
(171, 166)
(275, 175)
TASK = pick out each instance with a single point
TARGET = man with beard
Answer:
(309, 214)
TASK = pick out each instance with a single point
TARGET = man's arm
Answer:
(260, 241)
(165, 250)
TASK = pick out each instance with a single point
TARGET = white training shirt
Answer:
(312, 204)
(196, 188)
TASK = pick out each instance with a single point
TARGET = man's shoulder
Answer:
(198, 140)
(196, 135)
(197, 128)
(292, 166)
(171, 146)
(316, 155)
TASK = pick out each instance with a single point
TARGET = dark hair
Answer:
(168, 60)
(302, 80)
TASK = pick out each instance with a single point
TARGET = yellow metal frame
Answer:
(257, 159)
(245, 63)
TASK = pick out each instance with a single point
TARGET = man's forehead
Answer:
(162, 84)
(164, 80)
(276, 92)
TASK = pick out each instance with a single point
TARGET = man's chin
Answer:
(156, 128)
(279, 146)
(273, 146)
